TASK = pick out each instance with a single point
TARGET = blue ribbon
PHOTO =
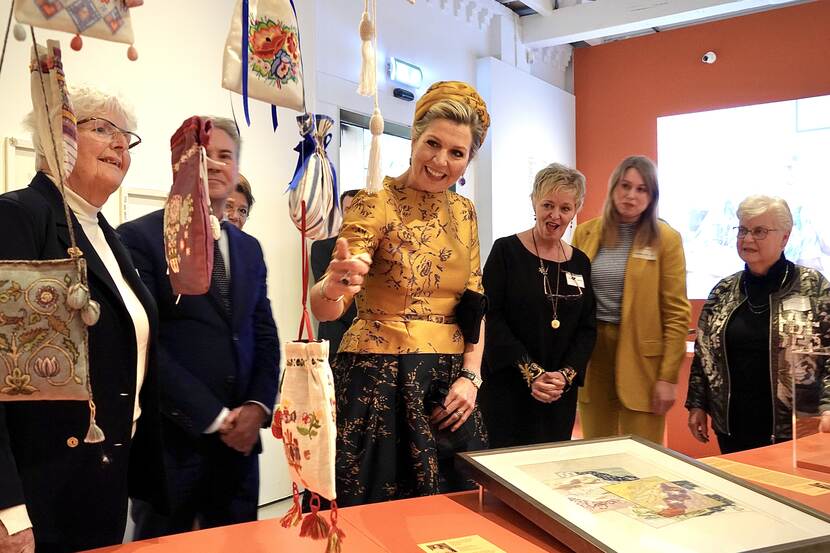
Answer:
(244, 54)
(306, 148)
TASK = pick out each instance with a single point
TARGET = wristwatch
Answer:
(472, 377)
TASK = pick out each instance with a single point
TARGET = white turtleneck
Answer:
(87, 215)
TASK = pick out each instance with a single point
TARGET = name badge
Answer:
(645, 253)
(574, 279)
(796, 303)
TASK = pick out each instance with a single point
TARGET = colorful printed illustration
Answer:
(273, 51)
(585, 488)
(662, 497)
(653, 501)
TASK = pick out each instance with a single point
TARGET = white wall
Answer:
(533, 125)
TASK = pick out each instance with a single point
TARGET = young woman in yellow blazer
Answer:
(639, 278)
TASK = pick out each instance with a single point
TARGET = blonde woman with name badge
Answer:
(638, 273)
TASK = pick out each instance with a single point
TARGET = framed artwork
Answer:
(18, 164)
(136, 202)
(627, 495)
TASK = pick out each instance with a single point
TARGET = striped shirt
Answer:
(608, 275)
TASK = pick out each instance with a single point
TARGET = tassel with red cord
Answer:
(336, 535)
(314, 526)
(295, 513)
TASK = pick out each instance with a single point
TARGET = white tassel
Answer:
(374, 179)
(215, 227)
(368, 68)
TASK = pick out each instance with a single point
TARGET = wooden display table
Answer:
(398, 526)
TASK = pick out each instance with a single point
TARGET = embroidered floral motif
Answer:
(40, 335)
(273, 52)
(178, 213)
(46, 297)
(46, 367)
(312, 425)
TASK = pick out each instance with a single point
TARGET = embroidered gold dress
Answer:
(425, 253)
(404, 350)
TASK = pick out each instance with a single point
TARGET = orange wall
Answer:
(622, 87)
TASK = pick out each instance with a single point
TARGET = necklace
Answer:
(760, 309)
(552, 296)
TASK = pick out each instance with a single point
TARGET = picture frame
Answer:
(18, 163)
(626, 495)
(136, 202)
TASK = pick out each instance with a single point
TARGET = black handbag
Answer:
(469, 312)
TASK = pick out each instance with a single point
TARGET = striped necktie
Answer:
(220, 276)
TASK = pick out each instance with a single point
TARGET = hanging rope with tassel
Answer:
(368, 66)
(369, 87)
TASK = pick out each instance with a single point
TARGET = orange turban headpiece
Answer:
(453, 90)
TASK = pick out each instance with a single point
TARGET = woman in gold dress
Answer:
(406, 378)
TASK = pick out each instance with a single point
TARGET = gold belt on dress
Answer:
(440, 319)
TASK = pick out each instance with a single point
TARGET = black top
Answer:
(333, 331)
(748, 351)
(518, 326)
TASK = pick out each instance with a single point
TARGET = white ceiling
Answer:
(591, 22)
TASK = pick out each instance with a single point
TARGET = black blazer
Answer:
(76, 493)
(332, 331)
(208, 358)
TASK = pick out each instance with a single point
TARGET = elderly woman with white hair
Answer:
(740, 370)
(57, 491)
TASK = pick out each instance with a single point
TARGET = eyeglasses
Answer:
(104, 130)
(758, 233)
(565, 297)
(241, 211)
(553, 296)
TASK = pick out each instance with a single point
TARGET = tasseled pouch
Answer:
(189, 225)
(314, 181)
(45, 305)
(107, 20)
(262, 58)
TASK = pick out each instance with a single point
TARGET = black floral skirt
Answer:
(386, 446)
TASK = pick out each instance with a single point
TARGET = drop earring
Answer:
(462, 181)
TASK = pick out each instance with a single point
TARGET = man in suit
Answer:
(219, 364)
(321, 251)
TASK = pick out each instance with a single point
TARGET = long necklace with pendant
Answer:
(553, 297)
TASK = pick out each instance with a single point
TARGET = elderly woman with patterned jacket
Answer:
(406, 375)
(741, 369)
